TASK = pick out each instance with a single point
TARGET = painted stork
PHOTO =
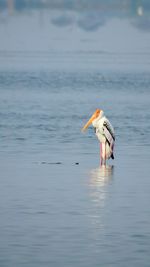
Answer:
(105, 134)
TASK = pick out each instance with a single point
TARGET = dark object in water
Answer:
(76, 163)
(57, 163)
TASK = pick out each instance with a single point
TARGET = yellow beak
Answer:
(88, 124)
(93, 117)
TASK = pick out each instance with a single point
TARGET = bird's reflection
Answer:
(99, 180)
(101, 175)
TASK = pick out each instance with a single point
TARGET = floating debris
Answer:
(53, 163)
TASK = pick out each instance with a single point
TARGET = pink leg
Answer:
(103, 160)
(101, 154)
(105, 155)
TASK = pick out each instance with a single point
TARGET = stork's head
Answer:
(97, 114)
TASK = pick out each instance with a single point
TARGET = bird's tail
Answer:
(112, 156)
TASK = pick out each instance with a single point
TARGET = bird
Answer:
(105, 134)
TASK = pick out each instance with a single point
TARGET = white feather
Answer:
(105, 134)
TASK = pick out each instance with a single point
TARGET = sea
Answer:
(58, 206)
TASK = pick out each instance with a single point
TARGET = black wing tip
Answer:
(112, 156)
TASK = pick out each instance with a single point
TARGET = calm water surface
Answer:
(57, 206)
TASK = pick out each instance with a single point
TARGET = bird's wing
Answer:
(109, 133)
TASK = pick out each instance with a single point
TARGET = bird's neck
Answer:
(98, 119)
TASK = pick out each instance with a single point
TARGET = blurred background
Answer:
(129, 8)
(83, 28)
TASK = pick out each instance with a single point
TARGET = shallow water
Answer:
(57, 206)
